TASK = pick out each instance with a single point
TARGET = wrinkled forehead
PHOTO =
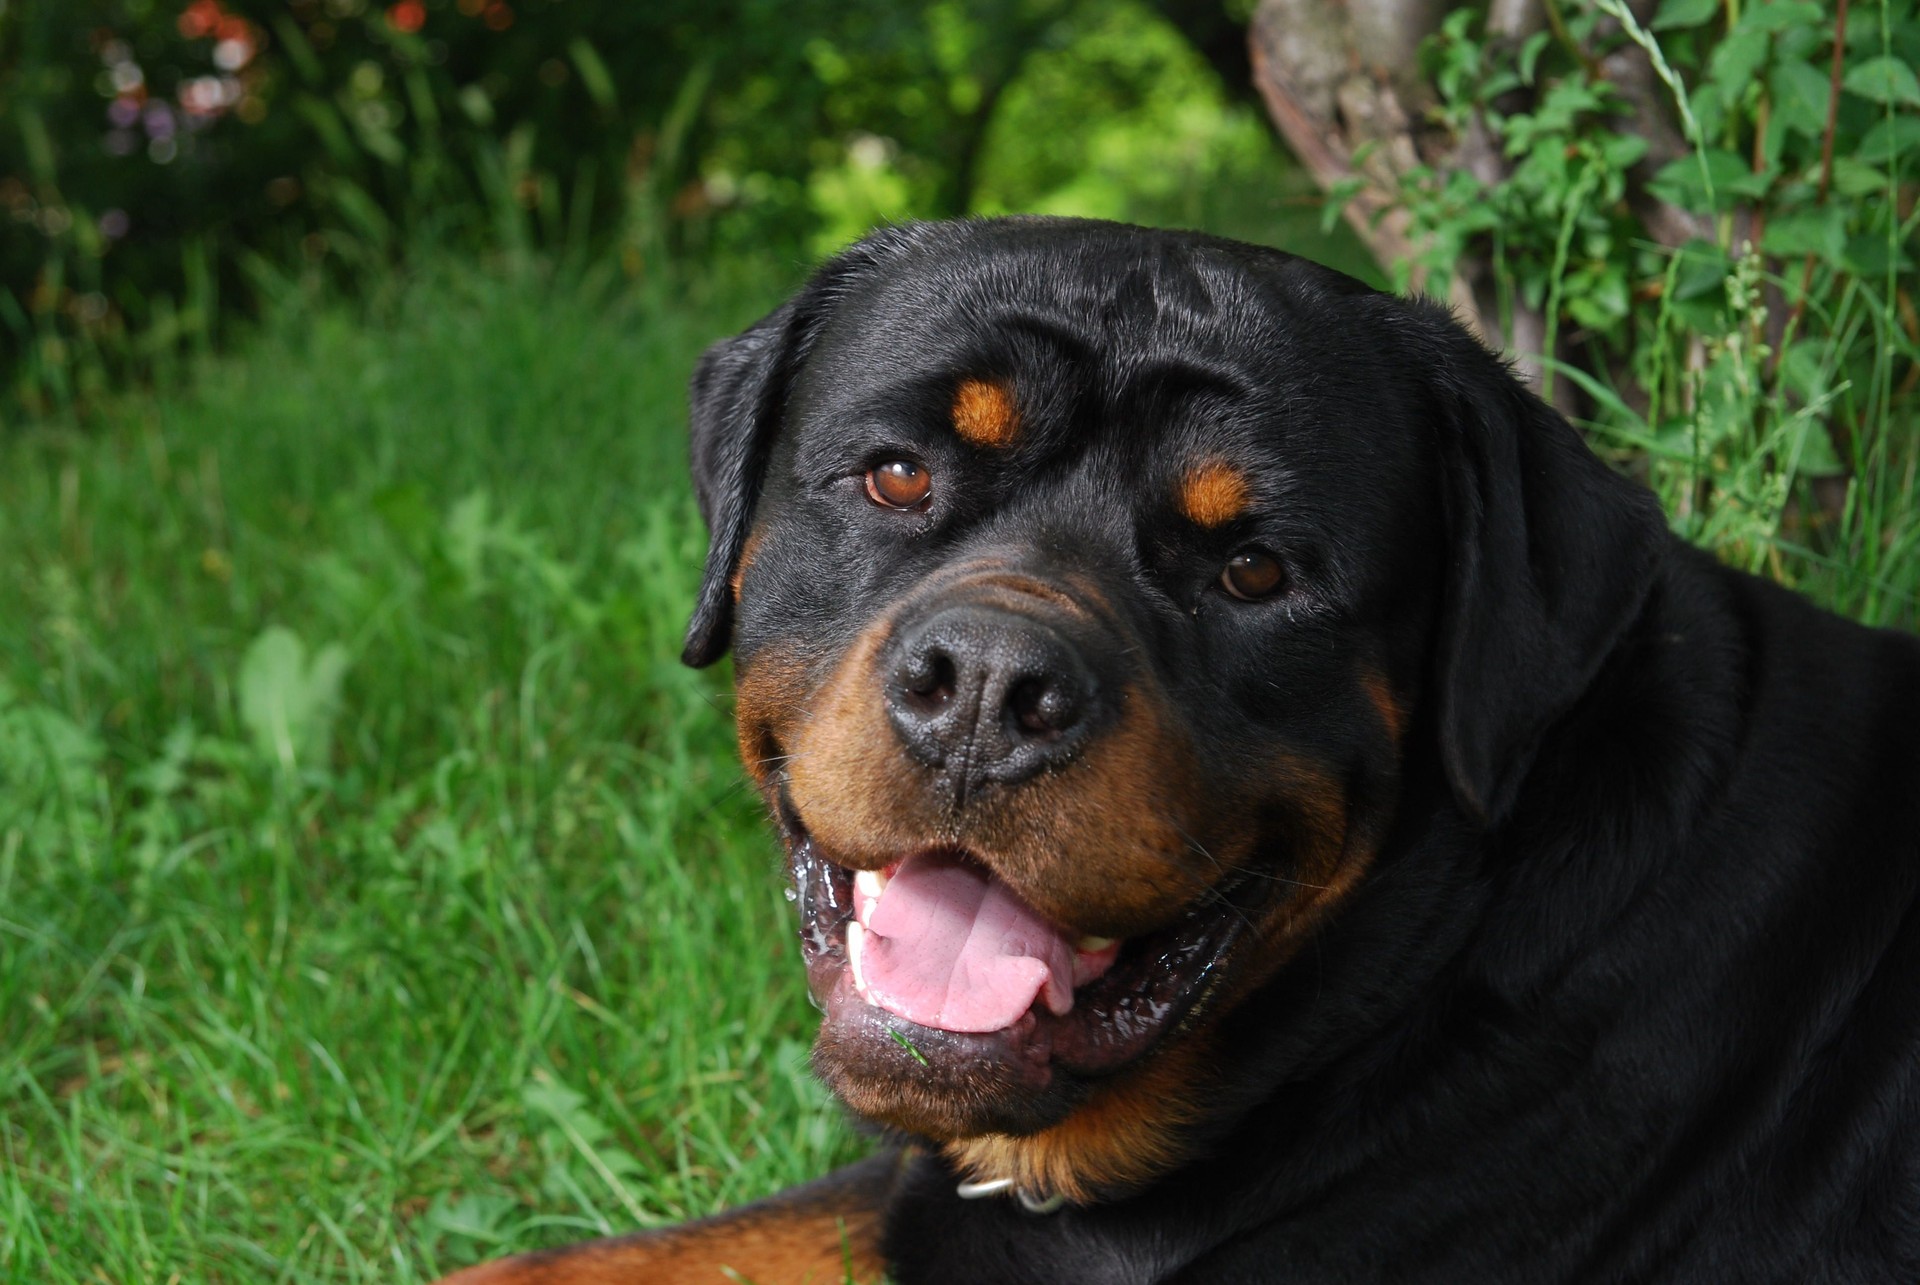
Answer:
(1085, 310)
(1035, 348)
(1193, 358)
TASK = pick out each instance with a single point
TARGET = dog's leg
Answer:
(825, 1232)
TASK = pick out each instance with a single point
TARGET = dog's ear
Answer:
(1550, 554)
(736, 397)
(738, 394)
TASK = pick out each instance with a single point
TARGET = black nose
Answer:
(988, 695)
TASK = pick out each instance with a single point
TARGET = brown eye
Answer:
(899, 484)
(1252, 574)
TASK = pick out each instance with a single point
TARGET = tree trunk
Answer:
(1340, 79)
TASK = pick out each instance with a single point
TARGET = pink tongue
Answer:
(949, 946)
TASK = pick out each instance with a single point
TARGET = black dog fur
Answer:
(1632, 990)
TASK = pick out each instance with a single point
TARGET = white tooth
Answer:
(856, 946)
(1093, 945)
(870, 882)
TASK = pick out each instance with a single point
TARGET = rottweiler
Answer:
(1267, 803)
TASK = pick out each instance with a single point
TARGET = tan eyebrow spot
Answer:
(1386, 704)
(1213, 493)
(984, 413)
(747, 554)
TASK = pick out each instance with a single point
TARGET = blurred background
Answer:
(376, 891)
(170, 167)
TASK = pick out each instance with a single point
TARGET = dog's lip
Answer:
(1161, 981)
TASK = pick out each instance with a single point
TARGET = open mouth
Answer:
(941, 960)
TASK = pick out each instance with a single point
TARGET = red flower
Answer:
(200, 18)
(408, 15)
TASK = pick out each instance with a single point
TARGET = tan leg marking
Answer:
(806, 1236)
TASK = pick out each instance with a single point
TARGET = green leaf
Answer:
(1702, 272)
(1884, 80)
(564, 1107)
(593, 73)
(327, 124)
(1816, 456)
(1530, 52)
(1869, 255)
(1799, 98)
(468, 532)
(481, 1216)
(1857, 179)
(1821, 232)
(1802, 370)
(1338, 196)
(1896, 138)
(1782, 15)
(1736, 61)
(52, 788)
(1600, 302)
(1684, 13)
(1679, 182)
(1621, 151)
(287, 703)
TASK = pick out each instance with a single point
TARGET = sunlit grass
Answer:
(376, 890)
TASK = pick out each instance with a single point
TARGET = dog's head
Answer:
(1092, 592)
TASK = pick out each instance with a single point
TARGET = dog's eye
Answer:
(899, 484)
(1252, 574)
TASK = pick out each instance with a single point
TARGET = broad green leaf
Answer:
(1802, 367)
(1884, 80)
(1599, 302)
(1856, 178)
(287, 703)
(1683, 13)
(1821, 232)
(1816, 456)
(1897, 137)
(1530, 52)
(1780, 15)
(1622, 150)
(1869, 255)
(1703, 270)
(1736, 61)
(468, 530)
(1800, 98)
(1679, 181)
(52, 789)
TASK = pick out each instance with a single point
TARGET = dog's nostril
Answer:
(1042, 708)
(928, 679)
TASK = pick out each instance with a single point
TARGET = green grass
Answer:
(377, 892)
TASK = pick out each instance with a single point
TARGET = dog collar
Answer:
(1029, 1201)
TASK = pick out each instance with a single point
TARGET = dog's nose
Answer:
(988, 694)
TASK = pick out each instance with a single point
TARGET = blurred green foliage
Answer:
(1761, 374)
(162, 161)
